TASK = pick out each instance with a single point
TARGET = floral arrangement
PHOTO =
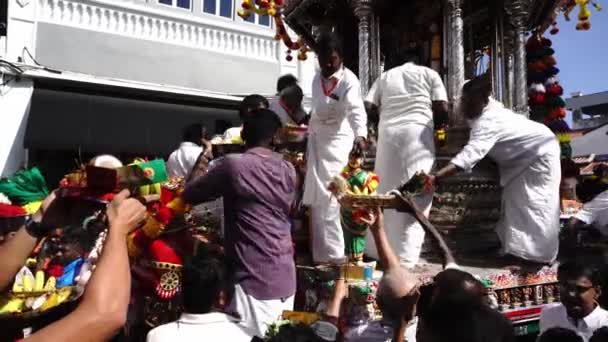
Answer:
(584, 13)
(273, 9)
(545, 92)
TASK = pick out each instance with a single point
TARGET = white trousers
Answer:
(529, 225)
(327, 155)
(403, 151)
(258, 314)
(327, 236)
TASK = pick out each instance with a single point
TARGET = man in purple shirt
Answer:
(258, 188)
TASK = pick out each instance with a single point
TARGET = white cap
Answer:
(107, 161)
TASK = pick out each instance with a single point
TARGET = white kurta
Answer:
(528, 156)
(404, 96)
(279, 110)
(596, 212)
(182, 160)
(336, 120)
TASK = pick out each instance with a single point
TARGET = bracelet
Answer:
(35, 229)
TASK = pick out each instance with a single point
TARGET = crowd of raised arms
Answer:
(233, 293)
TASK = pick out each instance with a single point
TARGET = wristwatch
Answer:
(36, 229)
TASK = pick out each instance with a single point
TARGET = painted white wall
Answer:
(140, 40)
(14, 109)
(21, 29)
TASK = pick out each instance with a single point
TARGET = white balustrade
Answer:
(144, 23)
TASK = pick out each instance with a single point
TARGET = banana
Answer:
(156, 189)
(50, 284)
(366, 191)
(356, 190)
(17, 287)
(39, 281)
(63, 294)
(11, 306)
(144, 190)
(27, 284)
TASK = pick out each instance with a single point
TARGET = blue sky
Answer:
(582, 56)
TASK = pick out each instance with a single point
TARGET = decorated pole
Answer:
(363, 11)
(455, 51)
(518, 12)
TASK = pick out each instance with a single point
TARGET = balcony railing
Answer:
(141, 22)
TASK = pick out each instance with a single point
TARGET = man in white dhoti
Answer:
(338, 118)
(528, 156)
(408, 97)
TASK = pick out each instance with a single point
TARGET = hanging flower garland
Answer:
(544, 92)
(584, 13)
(273, 8)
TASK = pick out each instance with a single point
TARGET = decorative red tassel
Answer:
(7, 210)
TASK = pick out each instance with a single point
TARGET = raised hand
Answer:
(125, 214)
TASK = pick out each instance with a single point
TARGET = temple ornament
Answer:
(273, 8)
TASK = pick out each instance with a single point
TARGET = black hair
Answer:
(286, 81)
(574, 269)
(292, 91)
(479, 86)
(600, 335)
(204, 278)
(328, 43)
(251, 103)
(260, 127)
(458, 307)
(557, 334)
(588, 187)
(221, 126)
(454, 285)
(193, 133)
(398, 58)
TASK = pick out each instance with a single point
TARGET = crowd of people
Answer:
(234, 294)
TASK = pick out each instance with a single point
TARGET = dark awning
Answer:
(99, 121)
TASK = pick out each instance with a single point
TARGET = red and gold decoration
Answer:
(273, 9)
(545, 92)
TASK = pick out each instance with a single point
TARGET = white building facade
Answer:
(200, 48)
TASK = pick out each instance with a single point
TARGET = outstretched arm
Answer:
(103, 310)
(386, 255)
(15, 251)
(13, 255)
(409, 206)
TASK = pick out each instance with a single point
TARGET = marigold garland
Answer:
(274, 9)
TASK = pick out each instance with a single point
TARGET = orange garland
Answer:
(273, 8)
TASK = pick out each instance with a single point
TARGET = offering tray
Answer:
(389, 201)
(220, 150)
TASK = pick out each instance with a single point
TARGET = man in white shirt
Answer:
(206, 294)
(288, 106)
(528, 158)
(182, 160)
(337, 124)
(579, 311)
(594, 194)
(411, 101)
